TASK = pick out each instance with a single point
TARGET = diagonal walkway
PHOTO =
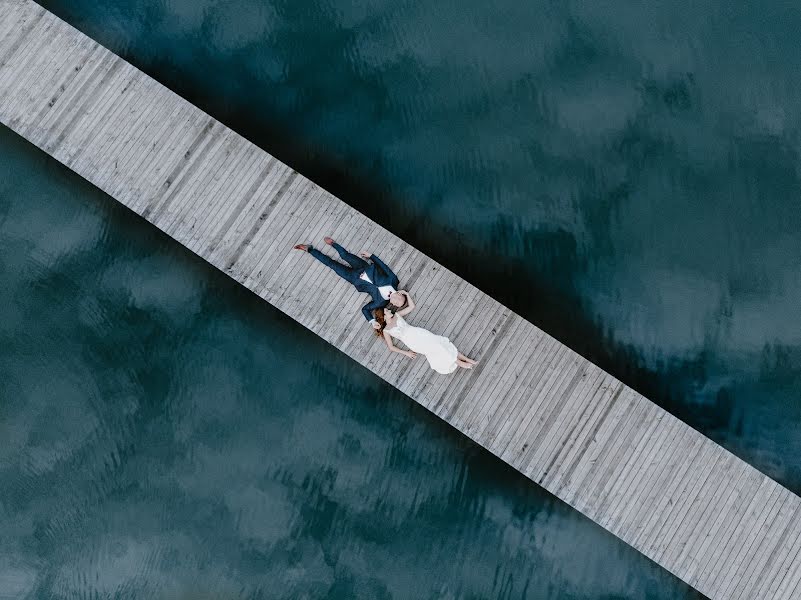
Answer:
(676, 496)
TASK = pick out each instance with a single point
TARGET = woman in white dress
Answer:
(441, 354)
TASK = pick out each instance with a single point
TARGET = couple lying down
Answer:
(386, 312)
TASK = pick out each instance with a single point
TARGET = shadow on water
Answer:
(168, 434)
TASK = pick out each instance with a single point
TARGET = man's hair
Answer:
(395, 308)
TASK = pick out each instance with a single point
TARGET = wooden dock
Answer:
(676, 496)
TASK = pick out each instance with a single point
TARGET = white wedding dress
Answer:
(439, 350)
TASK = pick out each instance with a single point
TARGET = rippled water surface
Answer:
(167, 434)
(625, 175)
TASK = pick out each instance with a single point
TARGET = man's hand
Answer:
(364, 254)
(375, 324)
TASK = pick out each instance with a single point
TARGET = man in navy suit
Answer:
(373, 277)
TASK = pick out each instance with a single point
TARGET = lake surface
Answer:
(167, 434)
(626, 178)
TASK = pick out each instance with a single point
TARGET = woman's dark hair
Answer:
(378, 313)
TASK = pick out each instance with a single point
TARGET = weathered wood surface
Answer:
(685, 502)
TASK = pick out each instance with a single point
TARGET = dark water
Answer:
(167, 434)
(625, 176)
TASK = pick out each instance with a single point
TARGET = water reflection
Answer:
(166, 434)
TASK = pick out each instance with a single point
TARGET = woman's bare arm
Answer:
(410, 303)
(393, 348)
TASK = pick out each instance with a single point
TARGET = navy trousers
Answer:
(349, 272)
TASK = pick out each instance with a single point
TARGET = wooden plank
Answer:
(13, 21)
(571, 464)
(98, 129)
(31, 54)
(22, 44)
(701, 518)
(123, 130)
(765, 583)
(702, 569)
(623, 413)
(296, 274)
(86, 100)
(265, 207)
(707, 542)
(63, 101)
(87, 132)
(262, 262)
(139, 147)
(659, 485)
(574, 440)
(570, 422)
(57, 75)
(206, 225)
(208, 143)
(729, 542)
(218, 226)
(128, 184)
(536, 458)
(679, 489)
(205, 199)
(522, 402)
(14, 47)
(633, 461)
(779, 583)
(657, 453)
(283, 264)
(656, 484)
(763, 550)
(489, 351)
(160, 164)
(618, 451)
(473, 420)
(749, 533)
(55, 66)
(256, 256)
(524, 422)
(194, 197)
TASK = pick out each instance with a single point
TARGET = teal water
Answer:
(167, 434)
(624, 176)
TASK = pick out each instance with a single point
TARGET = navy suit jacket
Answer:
(380, 274)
